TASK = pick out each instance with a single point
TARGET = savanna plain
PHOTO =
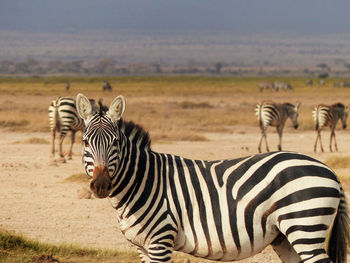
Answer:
(47, 213)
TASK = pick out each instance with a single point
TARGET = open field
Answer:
(196, 117)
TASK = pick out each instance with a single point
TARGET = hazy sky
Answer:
(247, 16)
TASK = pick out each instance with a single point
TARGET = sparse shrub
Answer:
(33, 141)
(80, 177)
(337, 162)
(193, 105)
(13, 123)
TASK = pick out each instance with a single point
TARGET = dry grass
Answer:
(77, 178)
(16, 248)
(170, 108)
(33, 140)
(338, 162)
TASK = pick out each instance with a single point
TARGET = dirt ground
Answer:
(37, 203)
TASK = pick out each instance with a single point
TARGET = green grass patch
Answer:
(77, 178)
(16, 248)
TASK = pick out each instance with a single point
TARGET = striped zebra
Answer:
(274, 114)
(324, 115)
(63, 117)
(266, 86)
(279, 85)
(221, 210)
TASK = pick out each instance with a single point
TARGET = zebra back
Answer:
(325, 115)
(63, 115)
(275, 114)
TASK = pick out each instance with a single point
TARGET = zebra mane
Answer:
(139, 134)
(289, 104)
(338, 105)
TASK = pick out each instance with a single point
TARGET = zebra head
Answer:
(344, 116)
(293, 113)
(101, 143)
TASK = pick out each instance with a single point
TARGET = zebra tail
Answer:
(55, 116)
(339, 239)
(258, 115)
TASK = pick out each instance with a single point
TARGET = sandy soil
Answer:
(37, 203)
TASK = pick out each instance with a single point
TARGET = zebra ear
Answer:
(298, 106)
(117, 108)
(84, 107)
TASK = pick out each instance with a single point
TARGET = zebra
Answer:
(63, 117)
(323, 116)
(274, 114)
(266, 86)
(221, 210)
(322, 82)
(106, 86)
(278, 85)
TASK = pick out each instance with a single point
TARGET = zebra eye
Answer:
(86, 143)
(115, 142)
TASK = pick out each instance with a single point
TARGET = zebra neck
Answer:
(134, 178)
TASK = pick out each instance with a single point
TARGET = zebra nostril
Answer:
(296, 126)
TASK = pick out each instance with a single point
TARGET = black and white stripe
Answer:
(325, 115)
(63, 117)
(222, 210)
(269, 113)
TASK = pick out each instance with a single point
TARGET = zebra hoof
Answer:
(62, 160)
(53, 162)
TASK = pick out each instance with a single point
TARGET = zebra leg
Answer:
(71, 146)
(319, 135)
(267, 146)
(279, 131)
(143, 255)
(315, 144)
(155, 253)
(307, 237)
(263, 136)
(284, 250)
(259, 147)
(335, 142)
(53, 138)
(62, 136)
(160, 253)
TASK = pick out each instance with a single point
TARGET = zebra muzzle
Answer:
(101, 184)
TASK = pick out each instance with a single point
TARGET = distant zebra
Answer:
(323, 116)
(106, 86)
(322, 82)
(63, 117)
(274, 114)
(221, 210)
(266, 86)
(279, 85)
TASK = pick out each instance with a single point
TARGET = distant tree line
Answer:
(105, 66)
(108, 66)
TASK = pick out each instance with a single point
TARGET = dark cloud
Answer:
(298, 16)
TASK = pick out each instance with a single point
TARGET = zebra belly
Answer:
(228, 252)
